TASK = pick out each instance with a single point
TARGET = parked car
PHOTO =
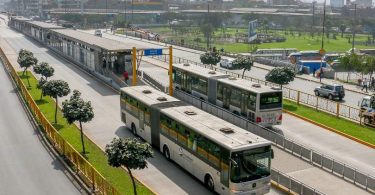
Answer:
(98, 33)
(331, 91)
(226, 63)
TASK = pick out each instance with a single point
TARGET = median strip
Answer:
(117, 177)
(361, 134)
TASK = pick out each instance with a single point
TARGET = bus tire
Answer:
(166, 152)
(134, 129)
(209, 182)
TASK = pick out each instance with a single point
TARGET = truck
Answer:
(367, 112)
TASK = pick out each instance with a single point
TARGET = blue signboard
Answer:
(252, 30)
(153, 52)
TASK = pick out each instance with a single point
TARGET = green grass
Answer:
(364, 133)
(118, 177)
(303, 42)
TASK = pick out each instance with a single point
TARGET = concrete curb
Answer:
(331, 129)
(282, 188)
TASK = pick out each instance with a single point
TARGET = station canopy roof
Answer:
(103, 43)
(45, 25)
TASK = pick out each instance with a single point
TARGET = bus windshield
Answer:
(251, 164)
(270, 100)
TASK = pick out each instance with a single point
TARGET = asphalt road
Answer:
(107, 124)
(26, 167)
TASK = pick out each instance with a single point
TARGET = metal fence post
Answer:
(298, 96)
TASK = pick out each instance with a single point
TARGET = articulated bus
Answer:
(226, 158)
(258, 103)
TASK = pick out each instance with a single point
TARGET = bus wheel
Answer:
(166, 153)
(209, 182)
(134, 129)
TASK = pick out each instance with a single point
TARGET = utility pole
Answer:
(321, 51)
(208, 15)
(314, 2)
(132, 12)
(353, 28)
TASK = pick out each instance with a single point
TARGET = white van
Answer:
(98, 33)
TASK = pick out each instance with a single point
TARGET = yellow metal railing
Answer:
(83, 168)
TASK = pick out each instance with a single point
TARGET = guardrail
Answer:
(325, 162)
(299, 97)
(82, 167)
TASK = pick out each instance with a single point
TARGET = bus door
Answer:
(226, 97)
(142, 119)
(244, 97)
(187, 83)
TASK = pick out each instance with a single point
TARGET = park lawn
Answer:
(118, 177)
(364, 133)
(303, 42)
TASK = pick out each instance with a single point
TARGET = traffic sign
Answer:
(322, 52)
(153, 52)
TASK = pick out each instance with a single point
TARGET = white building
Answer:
(337, 3)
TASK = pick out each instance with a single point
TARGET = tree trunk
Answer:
(24, 71)
(342, 34)
(27, 78)
(41, 95)
(56, 111)
(131, 176)
(83, 143)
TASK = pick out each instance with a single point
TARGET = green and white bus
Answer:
(226, 158)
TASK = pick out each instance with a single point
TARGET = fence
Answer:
(319, 103)
(325, 162)
(83, 168)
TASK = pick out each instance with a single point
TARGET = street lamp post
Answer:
(353, 28)
(208, 15)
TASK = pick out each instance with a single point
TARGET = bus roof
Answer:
(248, 85)
(213, 128)
(198, 70)
(149, 95)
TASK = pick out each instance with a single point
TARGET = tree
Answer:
(129, 153)
(76, 109)
(346, 65)
(26, 59)
(55, 89)
(369, 64)
(243, 62)
(44, 69)
(210, 58)
(281, 76)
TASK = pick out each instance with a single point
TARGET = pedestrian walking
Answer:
(321, 74)
(373, 83)
(126, 76)
(365, 84)
(314, 72)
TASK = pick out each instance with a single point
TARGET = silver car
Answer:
(331, 91)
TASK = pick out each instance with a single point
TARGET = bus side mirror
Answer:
(234, 162)
(272, 154)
